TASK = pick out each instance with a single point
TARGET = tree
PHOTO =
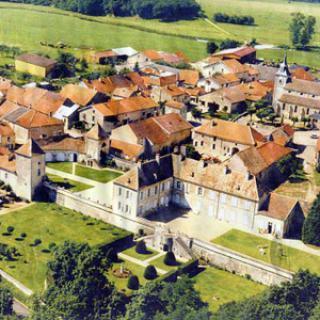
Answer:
(311, 227)
(302, 29)
(212, 47)
(78, 286)
(166, 301)
(150, 272)
(192, 153)
(133, 283)
(141, 247)
(6, 302)
(196, 113)
(170, 259)
(228, 43)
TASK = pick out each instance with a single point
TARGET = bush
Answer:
(23, 235)
(37, 242)
(10, 229)
(112, 255)
(170, 259)
(141, 247)
(52, 245)
(150, 272)
(133, 283)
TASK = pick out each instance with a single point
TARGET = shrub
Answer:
(52, 245)
(170, 259)
(141, 247)
(45, 251)
(150, 272)
(10, 229)
(23, 235)
(112, 255)
(37, 242)
(133, 283)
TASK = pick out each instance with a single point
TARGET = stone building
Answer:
(222, 139)
(295, 98)
(24, 170)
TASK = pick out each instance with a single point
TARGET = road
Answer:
(20, 309)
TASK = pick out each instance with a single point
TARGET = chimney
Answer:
(158, 158)
(226, 169)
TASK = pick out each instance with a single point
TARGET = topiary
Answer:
(112, 255)
(150, 272)
(133, 283)
(10, 229)
(23, 235)
(170, 259)
(141, 247)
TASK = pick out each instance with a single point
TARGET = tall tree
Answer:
(79, 288)
(311, 227)
(302, 28)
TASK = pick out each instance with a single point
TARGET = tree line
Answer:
(167, 10)
(235, 19)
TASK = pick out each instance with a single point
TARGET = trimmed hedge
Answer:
(133, 283)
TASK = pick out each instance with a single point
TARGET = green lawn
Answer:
(49, 223)
(71, 185)
(217, 287)
(121, 284)
(275, 253)
(61, 166)
(103, 176)
(158, 263)
(132, 253)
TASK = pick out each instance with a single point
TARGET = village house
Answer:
(295, 98)
(169, 58)
(188, 78)
(262, 162)
(218, 81)
(172, 106)
(34, 64)
(227, 100)
(156, 134)
(114, 113)
(24, 170)
(222, 139)
(282, 136)
(7, 136)
(280, 216)
(255, 91)
(244, 54)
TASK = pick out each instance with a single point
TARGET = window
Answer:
(223, 198)
(128, 194)
(200, 191)
(119, 191)
(178, 184)
(39, 172)
(141, 195)
(201, 143)
(234, 201)
(148, 192)
(295, 108)
(119, 205)
(196, 143)
(127, 208)
(162, 186)
(155, 189)
(213, 147)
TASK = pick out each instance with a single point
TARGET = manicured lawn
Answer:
(132, 253)
(121, 284)
(217, 287)
(158, 263)
(61, 166)
(51, 224)
(275, 253)
(71, 185)
(103, 176)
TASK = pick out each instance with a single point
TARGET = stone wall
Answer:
(231, 261)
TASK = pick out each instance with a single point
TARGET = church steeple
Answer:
(284, 71)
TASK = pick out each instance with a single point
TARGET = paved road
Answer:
(28, 292)
(20, 309)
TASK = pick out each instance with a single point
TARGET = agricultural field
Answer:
(274, 252)
(50, 224)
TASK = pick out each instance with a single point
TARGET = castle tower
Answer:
(30, 168)
(283, 76)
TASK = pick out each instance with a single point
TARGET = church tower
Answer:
(283, 76)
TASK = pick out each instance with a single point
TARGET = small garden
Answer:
(70, 185)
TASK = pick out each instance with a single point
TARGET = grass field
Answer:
(42, 24)
(102, 176)
(71, 185)
(132, 253)
(51, 224)
(217, 287)
(275, 253)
